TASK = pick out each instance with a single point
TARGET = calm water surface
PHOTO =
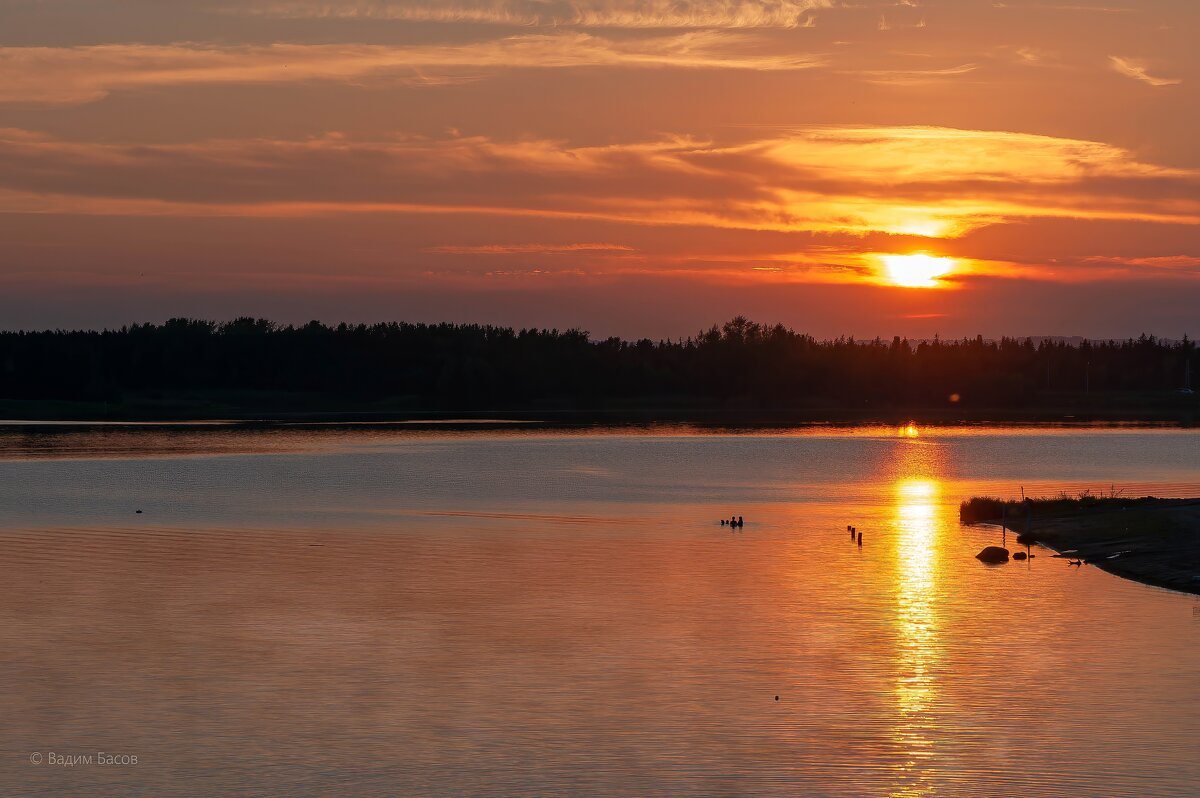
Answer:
(378, 612)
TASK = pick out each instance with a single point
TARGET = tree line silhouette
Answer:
(461, 366)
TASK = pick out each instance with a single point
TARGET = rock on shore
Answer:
(993, 554)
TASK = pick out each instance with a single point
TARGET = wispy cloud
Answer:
(1067, 7)
(57, 75)
(557, 13)
(922, 181)
(911, 77)
(1168, 263)
(526, 249)
(1132, 68)
(1030, 56)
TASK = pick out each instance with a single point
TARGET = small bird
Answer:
(1074, 562)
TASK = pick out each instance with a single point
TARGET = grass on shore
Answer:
(986, 509)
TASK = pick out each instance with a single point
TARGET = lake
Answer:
(389, 610)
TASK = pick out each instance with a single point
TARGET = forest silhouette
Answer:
(466, 366)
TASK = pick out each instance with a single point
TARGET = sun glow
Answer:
(915, 271)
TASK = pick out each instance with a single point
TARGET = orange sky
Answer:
(633, 167)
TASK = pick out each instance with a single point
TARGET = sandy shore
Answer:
(1156, 541)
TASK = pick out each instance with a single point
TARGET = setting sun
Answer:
(915, 271)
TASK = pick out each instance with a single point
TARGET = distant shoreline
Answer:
(320, 409)
(1149, 540)
(741, 373)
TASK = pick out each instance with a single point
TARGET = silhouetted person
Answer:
(860, 539)
(741, 523)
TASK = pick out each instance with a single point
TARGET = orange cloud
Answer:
(931, 182)
(57, 75)
(1167, 263)
(582, 13)
(1135, 69)
(911, 77)
(527, 249)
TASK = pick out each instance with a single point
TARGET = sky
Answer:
(641, 168)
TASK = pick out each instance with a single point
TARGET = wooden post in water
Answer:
(1004, 524)
(1029, 527)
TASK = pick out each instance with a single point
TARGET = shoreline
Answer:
(1149, 540)
(573, 422)
(1130, 574)
(168, 412)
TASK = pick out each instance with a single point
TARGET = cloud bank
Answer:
(924, 181)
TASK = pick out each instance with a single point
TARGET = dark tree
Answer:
(449, 366)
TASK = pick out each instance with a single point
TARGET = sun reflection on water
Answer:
(917, 627)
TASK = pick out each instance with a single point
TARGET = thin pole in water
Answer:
(1029, 529)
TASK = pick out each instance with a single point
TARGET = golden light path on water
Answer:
(917, 493)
